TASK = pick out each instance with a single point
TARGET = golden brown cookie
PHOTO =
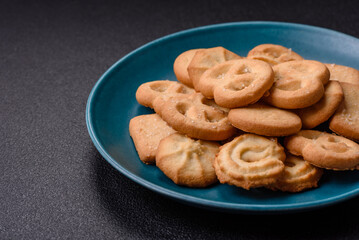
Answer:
(236, 83)
(147, 92)
(205, 59)
(146, 132)
(187, 161)
(273, 54)
(195, 116)
(346, 119)
(265, 120)
(181, 64)
(297, 176)
(343, 73)
(321, 111)
(249, 161)
(297, 84)
(324, 150)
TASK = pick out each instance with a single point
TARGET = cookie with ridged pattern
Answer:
(187, 161)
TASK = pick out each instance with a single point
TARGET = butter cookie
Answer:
(343, 73)
(195, 116)
(205, 59)
(324, 150)
(236, 83)
(146, 132)
(249, 161)
(273, 54)
(147, 92)
(298, 84)
(265, 120)
(187, 161)
(181, 64)
(298, 175)
(346, 119)
(321, 111)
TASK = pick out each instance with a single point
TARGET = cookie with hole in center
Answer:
(195, 116)
(187, 161)
(297, 84)
(205, 59)
(147, 92)
(249, 161)
(324, 150)
(273, 54)
(265, 120)
(236, 83)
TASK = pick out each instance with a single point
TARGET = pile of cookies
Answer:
(248, 121)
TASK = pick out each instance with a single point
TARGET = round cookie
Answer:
(187, 161)
(149, 91)
(297, 84)
(273, 54)
(195, 116)
(181, 64)
(205, 59)
(297, 176)
(249, 161)
(265, 120)
(343, 73)
(321, 111)
(236, 83)
(346, 119)
(324, 150)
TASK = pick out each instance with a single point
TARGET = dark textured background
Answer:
(53, 182)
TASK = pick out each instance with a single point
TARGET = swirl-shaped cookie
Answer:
(297, 84)
(297, 176)
(205, 59)
(324, 150)
(249, 161)
(187, 161)
(147, 92)
(236, 83)
(273, 54)
(195, 116)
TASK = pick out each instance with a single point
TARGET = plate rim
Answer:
(188, 199)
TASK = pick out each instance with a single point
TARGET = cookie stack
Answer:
(246, 121)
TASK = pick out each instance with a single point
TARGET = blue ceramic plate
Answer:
(112, 104)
